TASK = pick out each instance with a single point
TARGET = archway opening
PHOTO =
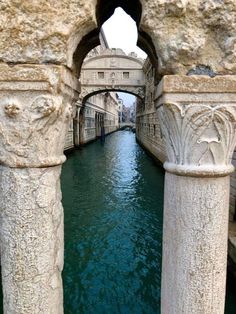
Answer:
(122, 163)
(104, 11)
(104, 113)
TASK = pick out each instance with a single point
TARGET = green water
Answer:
(113, 199)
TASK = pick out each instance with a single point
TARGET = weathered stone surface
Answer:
(35, 110)
(190, 33)
(185, 33)
(197, 84)
(43, 31)
(31, 233)
(198, 121)
(194, 245)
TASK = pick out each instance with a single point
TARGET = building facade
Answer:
(99, 115)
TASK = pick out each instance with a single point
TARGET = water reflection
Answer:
(113, 197)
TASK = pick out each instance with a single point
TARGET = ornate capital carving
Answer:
(34, 116)
(199, 128)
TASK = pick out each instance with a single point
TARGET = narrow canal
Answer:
(113, 196)
(113, 201)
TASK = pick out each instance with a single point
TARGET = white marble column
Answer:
(198, 122)
(35, 110)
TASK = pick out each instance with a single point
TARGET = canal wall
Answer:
(98, 116)
(149, 135)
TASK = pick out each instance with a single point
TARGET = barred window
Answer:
(125, 75)
(101, 75)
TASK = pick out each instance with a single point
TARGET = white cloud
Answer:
(121, 32)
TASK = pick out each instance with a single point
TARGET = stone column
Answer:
(35, 110)
(198, 122)
(76, 124)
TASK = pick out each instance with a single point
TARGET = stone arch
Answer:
(120, 72)
(104, 10)
(87, 93)
(180, 36)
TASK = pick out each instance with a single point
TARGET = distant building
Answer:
(101, 113)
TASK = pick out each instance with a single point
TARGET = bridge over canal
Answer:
(112, 70)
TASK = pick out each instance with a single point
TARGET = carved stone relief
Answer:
(199, 135)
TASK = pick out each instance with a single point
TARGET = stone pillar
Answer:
(198, 122)
(76, 125)
(35, 110)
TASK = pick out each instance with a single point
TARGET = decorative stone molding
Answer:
(199, 129)
(35, 110)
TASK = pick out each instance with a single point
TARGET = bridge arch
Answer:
(87, 93)
(112, 70)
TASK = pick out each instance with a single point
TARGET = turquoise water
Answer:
(113, 199)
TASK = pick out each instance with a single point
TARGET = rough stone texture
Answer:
(35, 110)
(199, 130)
(31, 233)
(41, 31)
(185, 33)
(174, 84)
(194, 245)
(191, 33)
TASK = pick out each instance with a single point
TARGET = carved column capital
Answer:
(35, 109)
(198, 123)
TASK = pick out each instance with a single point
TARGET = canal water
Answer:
(113, 201)
(113, 196)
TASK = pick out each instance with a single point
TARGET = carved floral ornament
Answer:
(200, 138)
(34, 132)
